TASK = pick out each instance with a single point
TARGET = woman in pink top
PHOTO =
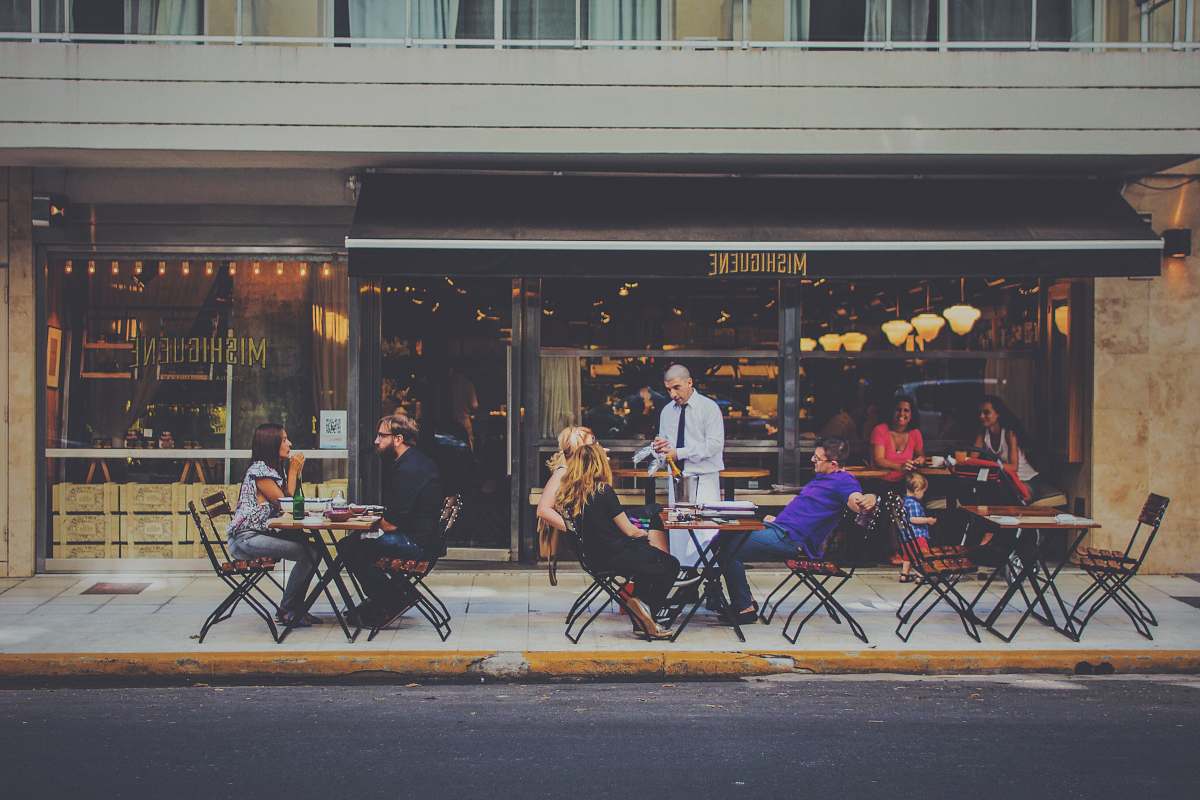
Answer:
(897, 445)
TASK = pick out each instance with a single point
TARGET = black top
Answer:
(412, 495)
(601, 536)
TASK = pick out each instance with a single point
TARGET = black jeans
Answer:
(361, 554)
(652, 571)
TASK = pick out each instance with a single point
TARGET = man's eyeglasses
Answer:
(382, 435)
(816, 459)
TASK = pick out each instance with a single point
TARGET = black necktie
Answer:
(680, 439)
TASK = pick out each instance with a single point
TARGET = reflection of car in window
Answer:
(947, 405)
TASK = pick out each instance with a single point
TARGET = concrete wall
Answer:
(1146, 430)
(194, 106)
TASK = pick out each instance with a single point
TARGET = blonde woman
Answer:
(609, 539)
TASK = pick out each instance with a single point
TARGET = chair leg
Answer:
(767, 613)
(583, 601)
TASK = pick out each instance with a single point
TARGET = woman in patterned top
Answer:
(263, 486)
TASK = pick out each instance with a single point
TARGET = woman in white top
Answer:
(1002, 437)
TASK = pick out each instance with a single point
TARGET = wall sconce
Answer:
(1177, 243)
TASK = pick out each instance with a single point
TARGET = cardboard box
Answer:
(84, 498)
(86, 550)
(147, 528)
(84, 528)
(153, 498)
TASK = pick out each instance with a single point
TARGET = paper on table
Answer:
(730, 505)
(1071, 519)
(1003, 519)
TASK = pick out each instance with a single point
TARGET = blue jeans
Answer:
(259, 545)
(767, 544)
(361, 554)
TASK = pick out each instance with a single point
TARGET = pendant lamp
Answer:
(962, 317)
(854, 341)
(807, 344)
(897, 330)
(831, 342)
(928, 324)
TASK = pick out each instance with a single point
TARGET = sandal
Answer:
(291, 620)
(906, 577)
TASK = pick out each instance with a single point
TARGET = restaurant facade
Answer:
(157, 314)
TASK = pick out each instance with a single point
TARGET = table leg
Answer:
(330, 574)
(712, 580)
(651, 493)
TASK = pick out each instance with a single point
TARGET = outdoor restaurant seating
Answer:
(241, 576)
(815, 575)
(938, 570)
(606, 585)
(408, 577)
(1111, 572)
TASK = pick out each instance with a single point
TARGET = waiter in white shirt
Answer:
(692, 432)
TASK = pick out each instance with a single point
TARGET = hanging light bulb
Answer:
(897, 330)
(853, 341)
(137, 268)
(232, 268)
(115, 267)
(162, 268)
(186, 268)
(962, 317)
(208, 268)
(831, 342)
(303, 269)
(325, 270)
(278, 267)
(257, 268)
(68, 267)
(807, 344)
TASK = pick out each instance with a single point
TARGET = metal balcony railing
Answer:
(948, 25)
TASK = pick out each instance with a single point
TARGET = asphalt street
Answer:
(792, 737)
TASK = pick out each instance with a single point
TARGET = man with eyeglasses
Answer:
(802, 528)
(412, 497)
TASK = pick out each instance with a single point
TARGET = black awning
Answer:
(434, 224)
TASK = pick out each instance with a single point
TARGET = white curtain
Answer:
(166, 17)
(623, 20)
(434, 19)
(910, 20)
(561, 394)
(378, 19)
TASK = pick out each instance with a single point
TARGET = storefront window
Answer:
(149, 358)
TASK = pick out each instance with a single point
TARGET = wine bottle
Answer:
(298, 501)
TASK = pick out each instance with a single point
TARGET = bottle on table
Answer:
(298, 501)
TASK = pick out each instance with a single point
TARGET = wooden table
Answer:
(1028, 520)
(876, 472)
(729, 478)
(311, 529)
(711, 571)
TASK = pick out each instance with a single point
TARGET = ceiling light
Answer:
(807, 345)
(928, 325)
(854, 341)
(831, 342)
(962, 317)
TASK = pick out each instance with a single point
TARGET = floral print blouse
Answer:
(250, 517)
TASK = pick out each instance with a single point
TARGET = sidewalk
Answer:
(508, 624)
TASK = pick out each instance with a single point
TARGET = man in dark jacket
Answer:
(412, 497)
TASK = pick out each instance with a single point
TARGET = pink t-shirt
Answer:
(881, 435)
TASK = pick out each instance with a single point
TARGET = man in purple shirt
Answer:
(801, 529)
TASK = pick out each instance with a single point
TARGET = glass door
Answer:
(445, 358)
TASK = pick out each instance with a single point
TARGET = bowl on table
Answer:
(338, 514)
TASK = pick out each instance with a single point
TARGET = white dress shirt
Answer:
(703, 448)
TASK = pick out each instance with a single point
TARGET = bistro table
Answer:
(878, 473)
(711, 571)
(729, 479)
(1026, 521)
(329, 567)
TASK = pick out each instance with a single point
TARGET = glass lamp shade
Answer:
(854, 341)
(1062, 320)
(807, 345)
(961, 318)
(928, 325)
(896, 330)
(831, 342)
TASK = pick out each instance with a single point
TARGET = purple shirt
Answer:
(810, 519)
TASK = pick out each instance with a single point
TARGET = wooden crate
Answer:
(196, 492)
(156, 550)
(84, 498)
(153, 498)
(84, 528)
(84, 550)
(153, 528)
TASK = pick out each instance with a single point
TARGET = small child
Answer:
(915, 485)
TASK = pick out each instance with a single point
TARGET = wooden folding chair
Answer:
(241, 576)
(816, 575)
(1111, 572)
(408, 577)
(938, 569)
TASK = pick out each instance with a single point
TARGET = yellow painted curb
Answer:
(577, 664)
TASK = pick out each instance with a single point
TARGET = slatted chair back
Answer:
(1151, 516)
(451, 510)
(215, 505)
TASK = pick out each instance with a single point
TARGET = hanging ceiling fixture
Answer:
(897, 330)
(807, 344)
(962, 317)
(854, 341)
(831, 342)
(928, 324)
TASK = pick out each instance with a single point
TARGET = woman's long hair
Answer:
(1009, 422)
(267, 439)
(569, 438)
(588, 472)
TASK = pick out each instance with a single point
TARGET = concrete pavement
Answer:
(508, 624)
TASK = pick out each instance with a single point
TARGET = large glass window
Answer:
(421, 19)
(158, 370)
(622, 20)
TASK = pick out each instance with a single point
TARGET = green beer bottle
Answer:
(298, 501)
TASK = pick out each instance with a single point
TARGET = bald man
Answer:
(691, 431)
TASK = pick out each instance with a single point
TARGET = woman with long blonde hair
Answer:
(611, 542)
(550, 523)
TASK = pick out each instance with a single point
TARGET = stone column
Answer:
(19, 506)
